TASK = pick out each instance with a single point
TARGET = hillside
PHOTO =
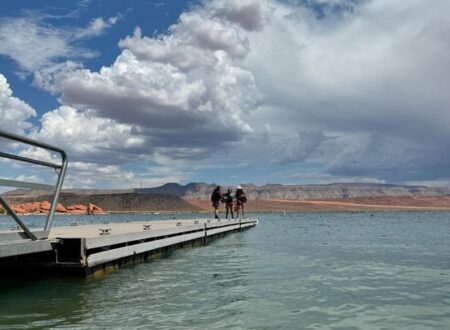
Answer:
(390, 203)
(119, 202)
(273, 197)
(149, 202)
(202, 191)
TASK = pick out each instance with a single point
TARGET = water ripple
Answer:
(302, 271)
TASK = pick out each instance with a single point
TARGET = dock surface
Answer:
(91, 249)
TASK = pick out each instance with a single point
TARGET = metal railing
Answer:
(56, 189)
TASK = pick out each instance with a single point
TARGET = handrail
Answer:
(13, 214)
(24, 184)
(28, 160)
(60, 169)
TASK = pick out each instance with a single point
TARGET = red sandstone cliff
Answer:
(44, 207)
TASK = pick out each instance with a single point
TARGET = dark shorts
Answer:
(216, 204)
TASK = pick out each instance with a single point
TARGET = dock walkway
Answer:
(88, 250)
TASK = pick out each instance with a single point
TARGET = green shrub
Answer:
(2, 211)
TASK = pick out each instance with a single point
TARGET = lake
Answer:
(382, 270)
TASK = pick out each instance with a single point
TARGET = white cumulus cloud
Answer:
(186, 91)
(89, 138)
(358, 87)
(14, 113)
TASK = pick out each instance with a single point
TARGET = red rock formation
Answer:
(94, 209)
(18, 208)
(77, 207)
(27, 207)
(34, 207)
(60, 208)
(44, 207)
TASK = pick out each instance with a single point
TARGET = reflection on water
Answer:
(301, 271)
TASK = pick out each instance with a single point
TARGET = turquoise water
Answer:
(299, 271)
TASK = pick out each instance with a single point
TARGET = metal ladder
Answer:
(56, 189)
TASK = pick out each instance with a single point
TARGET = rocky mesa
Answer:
(202, 191)
(43, 207)
(193, 197)
(76, 203)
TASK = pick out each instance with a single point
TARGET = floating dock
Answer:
(90, 250)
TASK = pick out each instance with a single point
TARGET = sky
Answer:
(140, 93)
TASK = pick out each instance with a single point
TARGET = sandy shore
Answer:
(389, 203)
(348, 204)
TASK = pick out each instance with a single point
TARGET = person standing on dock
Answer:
(229, 203)
(216, 198)
(241, 200)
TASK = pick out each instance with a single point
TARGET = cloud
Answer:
(249, 14)
(186, 92)
(299, 148)
(99, 149)
(96, 27)
(167, 50)
(87, 175)
(35, 44)
(167, 105)
(88, 138)
(211, 34)
(358, 87)
(374, 81)
(14, 113)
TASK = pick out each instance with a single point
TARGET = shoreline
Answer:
(368, 210)
(355, 204)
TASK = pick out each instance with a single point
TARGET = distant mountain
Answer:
(184, 191)
(177, 189)
(202, 191)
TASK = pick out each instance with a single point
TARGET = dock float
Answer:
(95, 249)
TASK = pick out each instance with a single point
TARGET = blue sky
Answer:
(227, 91)
(150, 16)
